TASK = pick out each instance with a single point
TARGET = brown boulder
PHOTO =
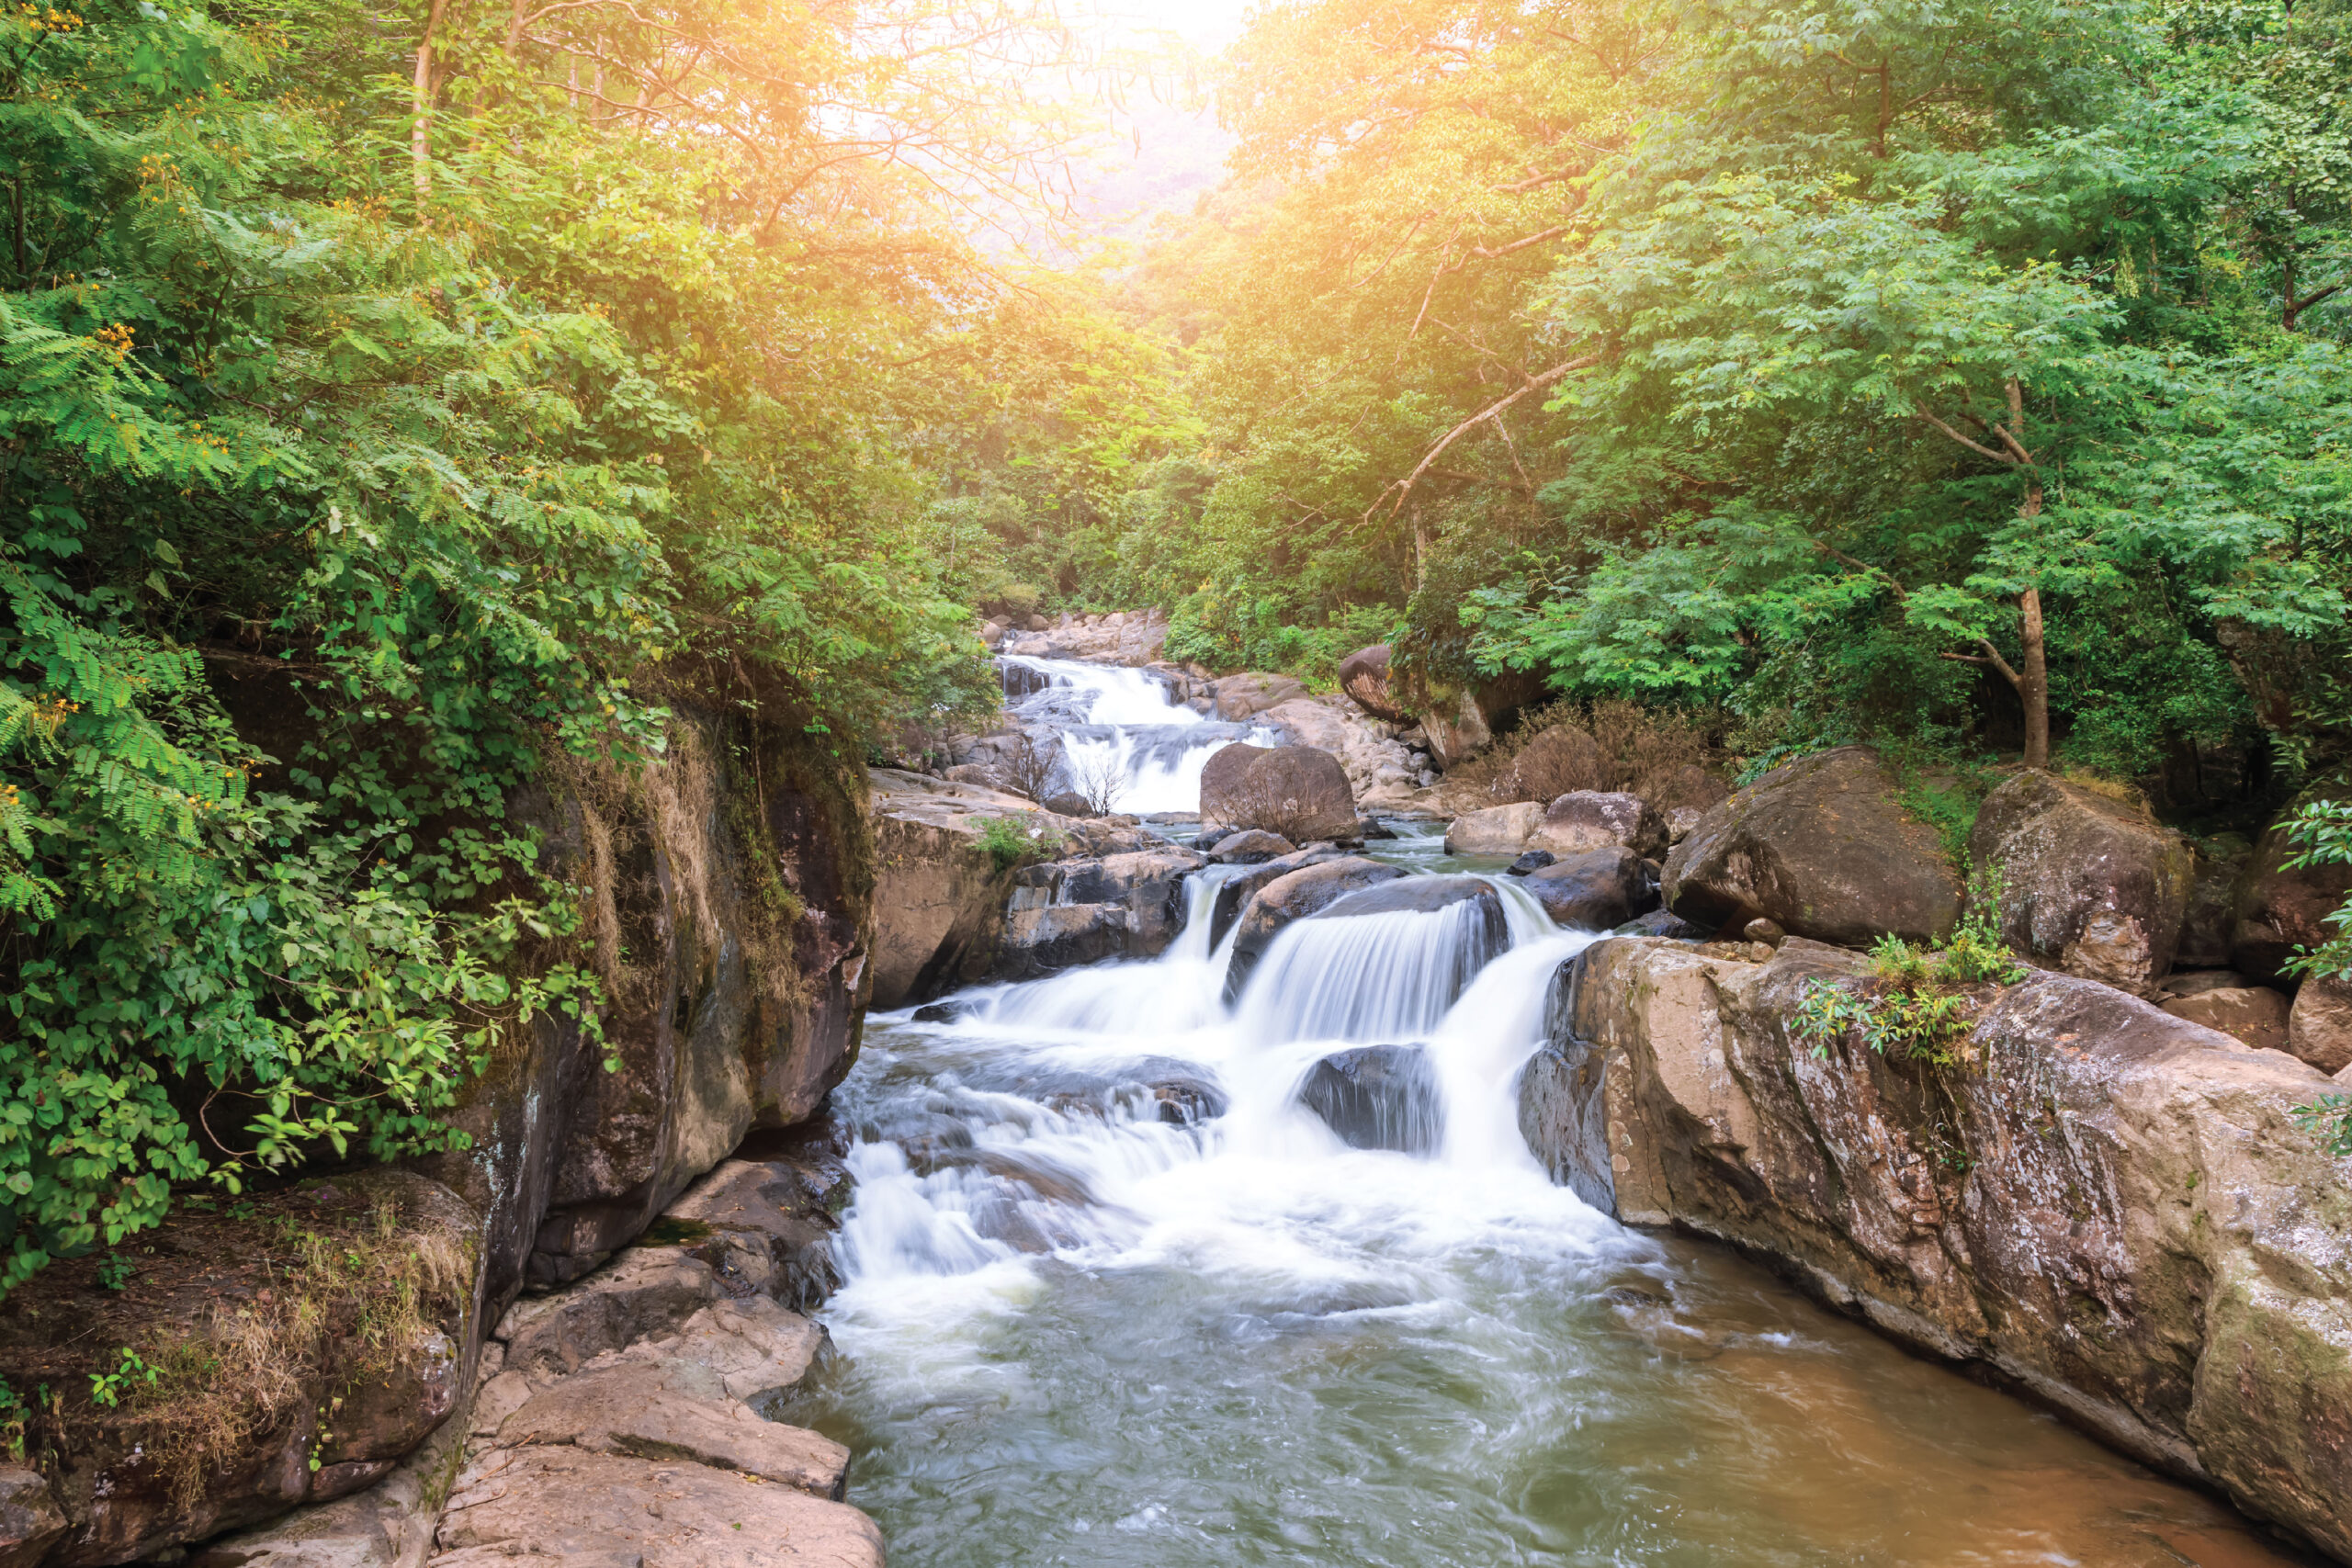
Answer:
(1299, 792)
(2319, 1030)
(1497, 830)
(2114, 1208)
(2279, 910)
(1290, 897)
(29, 1517)
(1245, 696)
(2252, 1015)
(1585, 819)
(1456, 730)
(1252, 846)
(1822, 847)
(676, 1410)
(1596, 891)
(2093, 884)
(1364, 675)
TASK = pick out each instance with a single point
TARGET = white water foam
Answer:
(1135, 731)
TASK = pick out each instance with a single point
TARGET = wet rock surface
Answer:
(1294, 896)
(1822, 847)
(1597, 891)
(1378, 1096)
(2110, 1208)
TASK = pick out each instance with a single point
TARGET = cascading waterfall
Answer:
(1113, 1297)
(1124, 724)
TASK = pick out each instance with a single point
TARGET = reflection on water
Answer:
(1113, 1298)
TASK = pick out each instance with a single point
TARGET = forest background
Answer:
(469, 375)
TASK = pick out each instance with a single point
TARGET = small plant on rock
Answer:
(1914, 1007)
(1009, 841)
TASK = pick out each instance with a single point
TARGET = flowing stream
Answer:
(1113, 1297)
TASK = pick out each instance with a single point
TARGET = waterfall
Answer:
(1123, 724)
(1137, 1279)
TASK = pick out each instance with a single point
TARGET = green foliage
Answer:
(2329, 1119)
(1009, 841)
(109, 1388)
(362, 452)
(2324, 830)
(116, 1272)
(1912, 1007)
(1657, 352)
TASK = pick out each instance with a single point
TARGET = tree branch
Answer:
(1404, 486)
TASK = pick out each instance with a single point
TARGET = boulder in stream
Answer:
(1378, 1096)
(1294, 896)
(1587, 819)
(1598, 891)
(1299, 792)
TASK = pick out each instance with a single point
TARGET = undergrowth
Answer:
(357, 1301)
(1913, 1006)
(1009, 841)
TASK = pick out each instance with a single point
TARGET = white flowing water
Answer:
(1113, 1298)
(1121, 724)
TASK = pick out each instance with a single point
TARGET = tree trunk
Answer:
(420, 136)
(2034, 681)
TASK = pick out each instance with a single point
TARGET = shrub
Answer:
(1912, 1006)
(1009, 841)
(1639, 748)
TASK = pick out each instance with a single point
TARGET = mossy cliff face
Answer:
(2108, 1207)
(728, 901)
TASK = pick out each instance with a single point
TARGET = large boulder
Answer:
(1497, 830)
(1252, 846)
(1457, 731)
(939, 886)
(1597, 891)
(2319, 1030)
(2093, 884)
(1224, 772)
(2279, 910)
(2252, 1015)
(1063, 914)
(1299, 792)
(1821, 846)
(1364, 675)
(1246, 696)
(1584, 820)
(1378, 1096)
(1294, 896)
(252, 1339)
(2111, 1208)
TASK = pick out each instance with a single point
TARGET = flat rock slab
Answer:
(662, 1410)
(588, 1507)
(758, 1350)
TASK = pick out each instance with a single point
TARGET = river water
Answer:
(1112, 1297)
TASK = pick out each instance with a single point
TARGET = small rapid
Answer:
(1115, 1296)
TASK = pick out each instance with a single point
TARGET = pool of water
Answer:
(1113, 1298)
